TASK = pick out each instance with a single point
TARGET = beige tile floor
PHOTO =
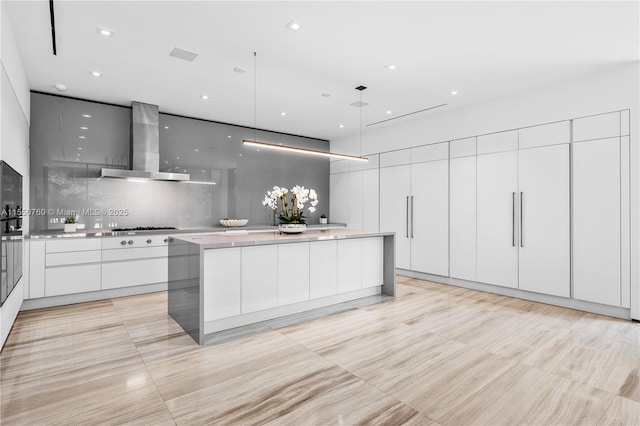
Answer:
(436, 354)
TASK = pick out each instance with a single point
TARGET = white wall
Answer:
(612, 90)
(14, 143)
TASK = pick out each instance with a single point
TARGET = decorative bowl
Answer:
(233, 223)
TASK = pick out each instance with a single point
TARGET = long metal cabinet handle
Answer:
(513, 219)
(412, 216)
(521, 220)
(407, 221)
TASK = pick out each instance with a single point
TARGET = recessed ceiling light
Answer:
(177, 158)
(341, 126)
(104, 32)
(86, 115)
(79, 148)
(388, 111)
(84, 128)
(196, 150)
(239, 70)
(96, 73)
(390, 67)
(77, 159)
(326, 95)
(166, 162)
(204, 171)
(204, 97)
(454, 92)
(166, 127)
(185, 171)
(82, 137)
(283, 113)
(239, 155)
(294, 25)
(61, 87)
(229, 136)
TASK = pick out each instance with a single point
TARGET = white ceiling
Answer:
(481, 49)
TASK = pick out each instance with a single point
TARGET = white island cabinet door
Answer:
(323, 269)
(596, 221)
(372, 261)
(497, 251)
(259, 278)
(395, 189)
(349, 265)
(222, 282)
(543, 176)
(293, 273)
(462, 237)
(429, 217)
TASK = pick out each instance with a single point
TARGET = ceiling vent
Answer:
(183, 54)
(359, 104)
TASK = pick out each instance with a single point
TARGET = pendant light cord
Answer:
(361, 107)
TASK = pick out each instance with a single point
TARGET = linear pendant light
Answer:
(279, 147)
(303, 150)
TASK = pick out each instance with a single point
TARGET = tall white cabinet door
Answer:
(293, 273)
(430, 217)
(462, 234)
(370, 205)
(394, 209)
(222, 282)
(259, 278)
(544, 262)
(497, 251)
(355, 199)
(323, 272)
(596, 221)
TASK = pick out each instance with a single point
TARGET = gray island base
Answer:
(233, 284)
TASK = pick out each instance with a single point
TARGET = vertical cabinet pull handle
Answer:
(521, 220)
(412, 216)
(513, 219)
(407, 221)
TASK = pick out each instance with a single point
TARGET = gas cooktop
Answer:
(144, 228)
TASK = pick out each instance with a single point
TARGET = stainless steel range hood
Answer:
(145, 148)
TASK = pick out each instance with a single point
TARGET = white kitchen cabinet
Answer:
(339, 198)
(544, 135)
(323, 269)
(596, 220)
(134, 272)
(595, 127)
(349, 265)
(370, 202)
(37, 261)
(372, 261)
(77, 245)
(74, 257)
(395, 190)
(429, 217)
(72, 279)
(625, 224)
(259, 278)
(462, 237)
(293, 273)
(497, 251)
(497, 142)
(222, 283)
(355, 199)
(544, 232)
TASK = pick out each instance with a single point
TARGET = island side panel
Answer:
(184, 290)
(389, 270)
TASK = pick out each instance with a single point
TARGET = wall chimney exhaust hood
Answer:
(145, 148)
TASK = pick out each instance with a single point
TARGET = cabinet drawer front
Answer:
(547, 134)
(80, 244)
(463, 147)
(137, 241)
(134, 253)
(498, 142)
(72, 279)
(596, 127)
(436, 151)
(135, 272)
(73, 257)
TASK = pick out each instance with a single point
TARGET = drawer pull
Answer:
(149, 241)
(130, 242)
(123, 242)
(166, 240)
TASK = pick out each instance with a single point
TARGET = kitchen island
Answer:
(225, 281)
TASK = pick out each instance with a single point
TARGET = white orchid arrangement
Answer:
(291, 213)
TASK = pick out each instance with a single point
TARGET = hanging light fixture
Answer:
(294, 149)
